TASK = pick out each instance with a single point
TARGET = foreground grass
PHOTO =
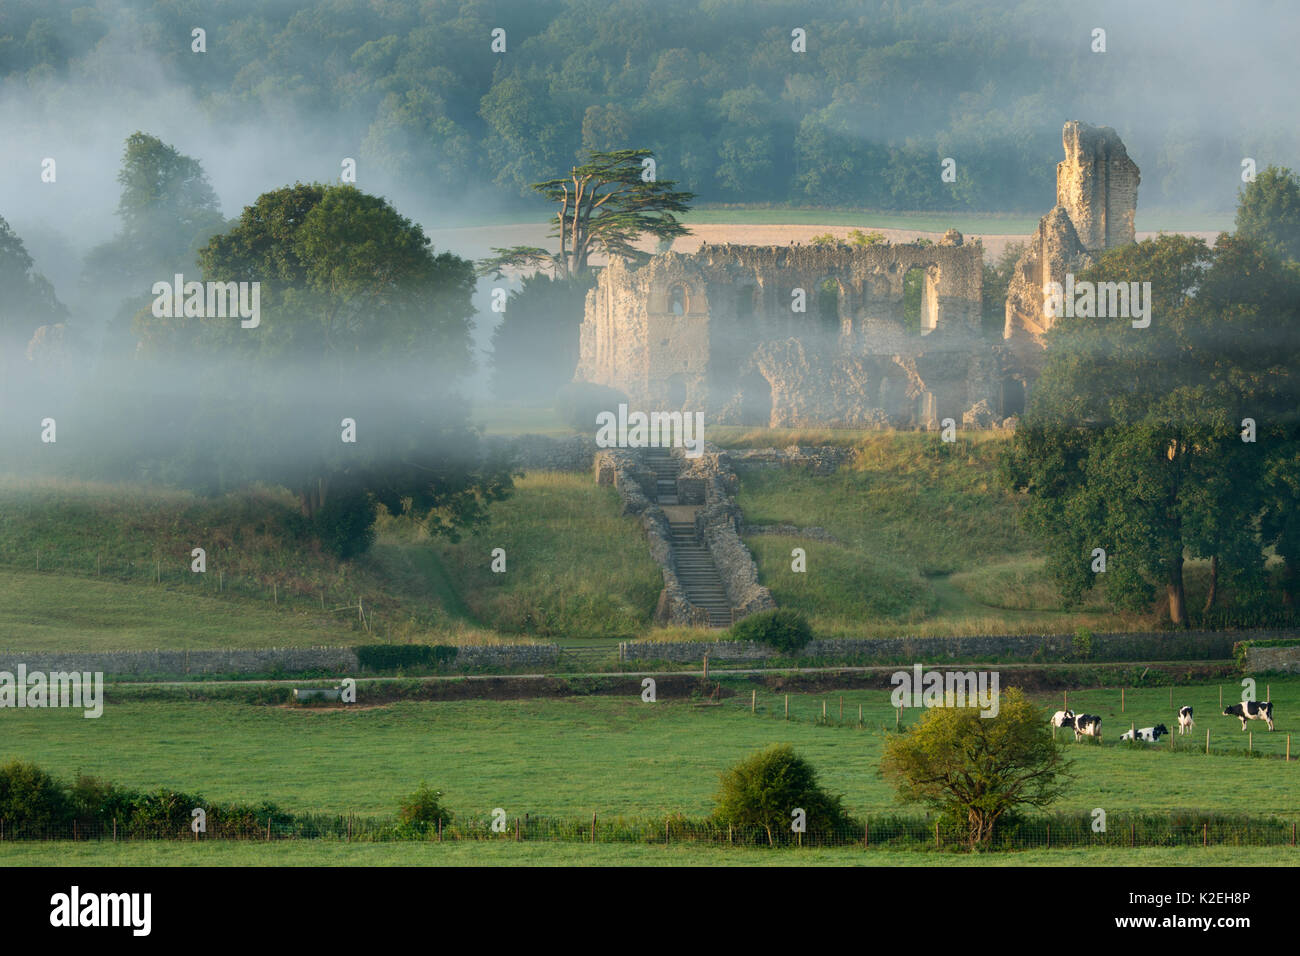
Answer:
(504, 853)
(618, 756)
(575, 566)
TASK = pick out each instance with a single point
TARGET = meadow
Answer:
(619, 757)
(504, 853)
(926, 542)
(114, 572)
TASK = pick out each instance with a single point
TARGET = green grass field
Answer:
(575, 567)
(505, 853)
(619, 756)
(927, 541)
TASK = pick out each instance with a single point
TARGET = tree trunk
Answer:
(1177, 597)
(311, 497)
(1214, 584)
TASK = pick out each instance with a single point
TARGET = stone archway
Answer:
(755, 399)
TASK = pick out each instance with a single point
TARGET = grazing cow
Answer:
(1150, 734)
(1185, 722)
(1062, 718)
(1086, 725)
(1251, 710)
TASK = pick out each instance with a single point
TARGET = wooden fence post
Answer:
(593, 827)
(1205, 834)
(1121, 700)
(823, 710)
(866, 834)
(787, 706)
(1207, 741)
(753, 701)
(439, 829)
(841, 708)
(936, 834)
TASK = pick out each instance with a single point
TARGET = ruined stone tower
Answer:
(1096, 201)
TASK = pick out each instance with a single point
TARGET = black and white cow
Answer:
(1062, 718)
(1185, 722)
(1086, 725)
(1251, 710)
(1150, 734)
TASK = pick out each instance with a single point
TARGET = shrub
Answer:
(765, 788)
(578, 403)
(30, 799)
(1082, 644)
(978, 771)
(423, 810)
(782, 629)
(383, 657)
(345, 524)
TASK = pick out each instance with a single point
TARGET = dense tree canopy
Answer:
(881, 94)
(1171, 441)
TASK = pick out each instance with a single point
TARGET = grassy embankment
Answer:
(927, 543)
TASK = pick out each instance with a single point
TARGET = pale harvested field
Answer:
(477, 241)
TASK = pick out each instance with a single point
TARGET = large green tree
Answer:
(1269, 211)
(535, 347)
(606, 205)
(345, 388)
(27, 299)
(1133, 439)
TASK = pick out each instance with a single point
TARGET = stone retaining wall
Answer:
(1153, 646)
(1275, 660)
(820, 459)
(543, 452)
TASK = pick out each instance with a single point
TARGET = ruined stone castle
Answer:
(785, 336)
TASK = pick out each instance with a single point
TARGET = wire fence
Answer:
(880, 831)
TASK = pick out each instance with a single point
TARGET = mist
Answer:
(1192, 87)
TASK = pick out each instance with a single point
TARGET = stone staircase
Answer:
(698, 574)
(666, 469)
(691, 558)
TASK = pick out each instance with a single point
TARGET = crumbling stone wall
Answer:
(1096, 202)
(716, 331)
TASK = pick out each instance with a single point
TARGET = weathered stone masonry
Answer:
(716, 332)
